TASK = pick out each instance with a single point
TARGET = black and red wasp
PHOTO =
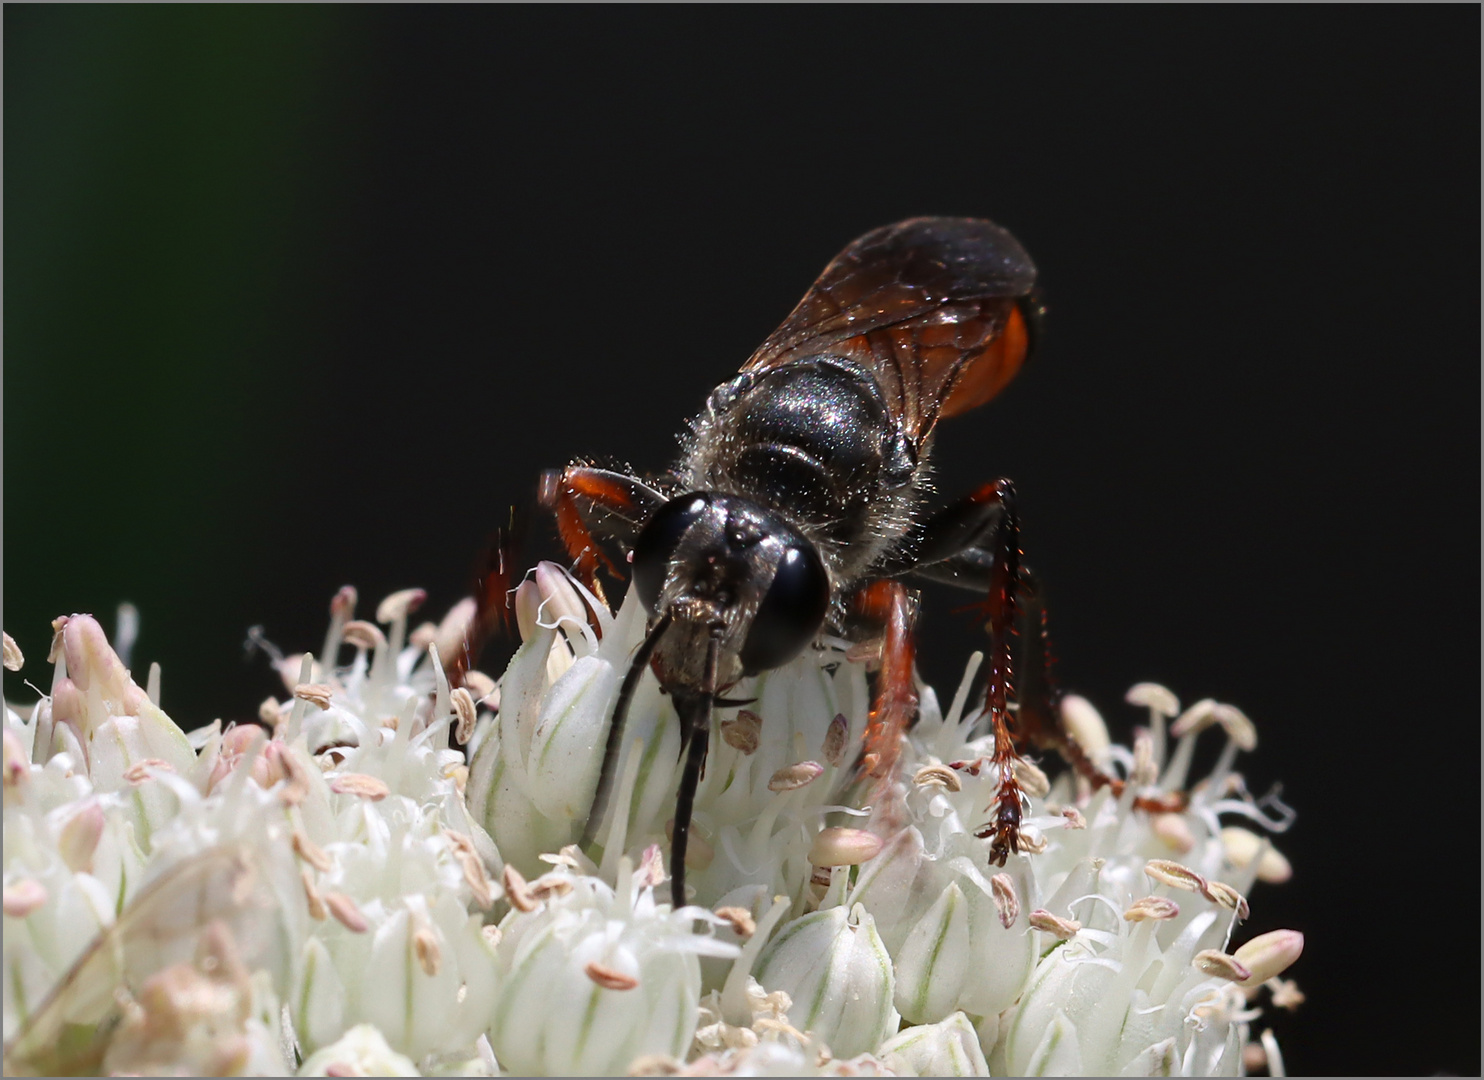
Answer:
(797, 506)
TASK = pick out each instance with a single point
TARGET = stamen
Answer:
(1223, 895)
(1006, 902)
(1174, 831)
(833, 750)
(1151, 907)
(1074, 817)
(364, 635)
(1085, 724)
(609, 978)
(1032, 780)
(24, 897)
(360, 785)
(1173, 874)
(795, 776)
(839, 846)
(317, 910)
(345, 910)
(138, 773)
(310, 852)
(739, 919)
(1055, 925)
(743, 732)
(317, 694)
(1216, 963)
(517, 891)
(463, 708)
(938, 776)
(13, 657)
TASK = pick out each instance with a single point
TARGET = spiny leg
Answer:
(1038, 717)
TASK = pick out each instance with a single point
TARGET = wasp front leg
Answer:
(593, 507)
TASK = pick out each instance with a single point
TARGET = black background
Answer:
(302, 297)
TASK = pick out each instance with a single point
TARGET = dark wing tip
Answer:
(981, 257)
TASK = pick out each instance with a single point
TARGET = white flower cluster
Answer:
(347, 890)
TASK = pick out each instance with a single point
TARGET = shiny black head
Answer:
(722, 565)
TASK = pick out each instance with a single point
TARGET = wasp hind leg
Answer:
(975, 544)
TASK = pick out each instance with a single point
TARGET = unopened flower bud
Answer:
(834, 966)
(361, 1051)
(948, 1048)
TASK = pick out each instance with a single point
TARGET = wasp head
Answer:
(722, 567)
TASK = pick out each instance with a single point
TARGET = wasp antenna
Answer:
(637, 664)
(696, 716)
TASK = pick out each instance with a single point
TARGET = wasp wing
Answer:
(928, 306)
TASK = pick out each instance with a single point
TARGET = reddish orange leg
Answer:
(1000, 606)
(593, 505)
(893, 607)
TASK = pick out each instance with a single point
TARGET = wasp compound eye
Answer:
(656, 544)
(791, 613)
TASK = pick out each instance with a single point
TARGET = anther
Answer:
(138, 773)
(309, 851)
(317, 694)
(1152, 908)
(1216, 963)
(609, 978)
(938, 776)
(739, 919)
(743, 732)
(1173, 874)
(24, 897)
(363, 635)
(463, 708)
(1223, 895)
(1174, 831)
(517, 891)
(1055, 925)
(795, 776)
(833, 750)
(400, 604)
(1031, 779)
(361, 786)
(839, 846)
(317, 910)
(13, 657)
(1154, 697)
(1085, 724)
(345, 910)
(650, 874)
(1002, 891)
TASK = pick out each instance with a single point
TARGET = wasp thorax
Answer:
(721, 565)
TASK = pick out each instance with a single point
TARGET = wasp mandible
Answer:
(797, 505)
